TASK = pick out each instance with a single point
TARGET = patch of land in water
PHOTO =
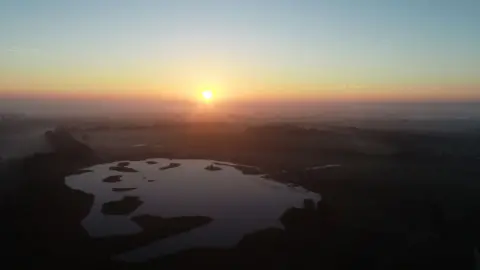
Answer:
(123, 169)
(212, 168)
(170, 166)
(113, 179)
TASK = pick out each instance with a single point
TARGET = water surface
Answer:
(238, 204)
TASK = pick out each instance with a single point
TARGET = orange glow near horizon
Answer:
(237, 92)
(174, 52)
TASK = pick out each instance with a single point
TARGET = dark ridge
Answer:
(281, 130)
(113, 179)
(151, 181)
(170, 166)
(151, 162)
(45, 215)
(65, 144)
(122, 169)
(123, 164)
(123, 207)
(122, 189)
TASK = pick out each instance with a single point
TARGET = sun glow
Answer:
(207, 95)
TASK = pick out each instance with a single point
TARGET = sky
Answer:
(242, 50)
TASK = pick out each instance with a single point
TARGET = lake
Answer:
(239, 202)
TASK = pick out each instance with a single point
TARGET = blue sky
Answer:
(242, 47)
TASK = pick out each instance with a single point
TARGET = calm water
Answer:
(238, 204)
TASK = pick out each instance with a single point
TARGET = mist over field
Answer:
(281, 109)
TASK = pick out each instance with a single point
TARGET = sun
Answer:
(207, 95)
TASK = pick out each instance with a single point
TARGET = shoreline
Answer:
(46, 218)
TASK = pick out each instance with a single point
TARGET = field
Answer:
(389, 197)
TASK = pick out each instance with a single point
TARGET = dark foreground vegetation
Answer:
(398, 200)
